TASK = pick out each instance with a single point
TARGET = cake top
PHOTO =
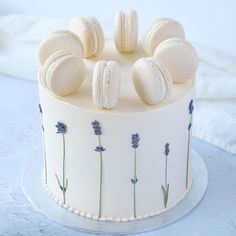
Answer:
(82, 68)
(129, 101)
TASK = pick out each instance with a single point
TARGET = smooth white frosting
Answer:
(117, 219)
(157, 125)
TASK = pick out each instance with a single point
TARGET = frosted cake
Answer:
(129, 157)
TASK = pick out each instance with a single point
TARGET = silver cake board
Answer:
(41, 201)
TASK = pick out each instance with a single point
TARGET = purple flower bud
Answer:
(61, 128)
(191, 107)
(135, 180)
(135, 140)
(167, 149)
(96, 127)
(99, 149)
(40, 109)
(189, 126)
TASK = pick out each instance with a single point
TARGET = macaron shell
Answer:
(92, 38)
(97, 83)
(145, 82)
(161, 30)
(91, 34)
(119, 28)
(100, 36)
(43, 70)
(126, 31)
(80, 27)
(51, 68)
(106, 84)
(60, 40)
(111, 84)
(179, 57)
(66, 75)
(133, 21)
(150, 82)
(167, 79)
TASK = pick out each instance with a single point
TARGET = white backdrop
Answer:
(208, 22)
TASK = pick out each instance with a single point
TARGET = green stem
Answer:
(100, 181)
(135, 157)
(166, 173)
(63, 174)
(166, 187)
(58, 181)
(188, 151)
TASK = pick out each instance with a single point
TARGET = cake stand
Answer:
(41, 201)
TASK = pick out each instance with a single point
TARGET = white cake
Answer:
(128, 163)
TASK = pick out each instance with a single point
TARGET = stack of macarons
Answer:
(90, 33)
(61, 55)
(63, 69)
(171, 59)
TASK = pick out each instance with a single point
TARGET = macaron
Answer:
(179, 57)
(90, 33)
(106, 84)
(160, 30)
(152, 80)
(60, 40)
(62, 73)
(126, 31)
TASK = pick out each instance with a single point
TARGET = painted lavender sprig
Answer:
(165, 187)
(100, 149)
(135, 144)
(44, 148)
(62, 129)
(190, 109)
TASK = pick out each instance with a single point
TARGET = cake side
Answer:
(137, 180)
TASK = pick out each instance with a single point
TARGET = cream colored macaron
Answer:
(106, 84)
(160, 30)
(62, 73)
(60, 40)
(179, 57)
(91, 34)
(126, 31)
(152, 80)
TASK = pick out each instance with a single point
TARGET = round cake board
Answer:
(41, 201)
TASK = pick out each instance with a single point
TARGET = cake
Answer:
(126, 162)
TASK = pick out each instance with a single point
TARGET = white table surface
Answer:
(20, 139)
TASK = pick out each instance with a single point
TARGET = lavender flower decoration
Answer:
(189, 126)
(135, 140)
(190, 109)
(135, 144)
(40, 109)
(165, 188)
(62, 129)
(96, 127)
(167, 149)
(44, 148)
(100, 149)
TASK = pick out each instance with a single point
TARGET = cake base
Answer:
(41, 201)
